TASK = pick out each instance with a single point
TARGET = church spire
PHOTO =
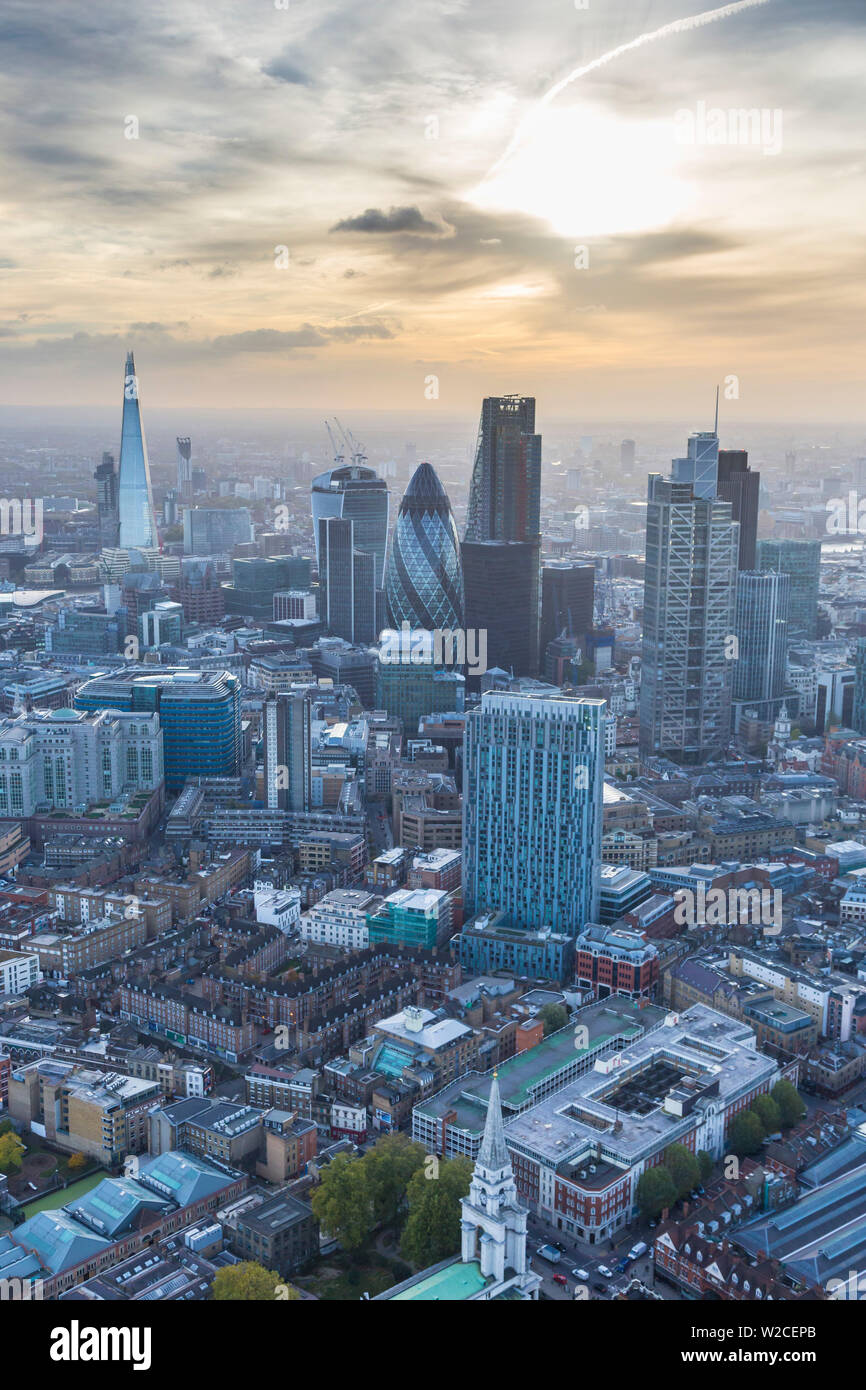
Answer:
(493, 1154)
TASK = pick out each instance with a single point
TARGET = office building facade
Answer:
(199, 714)
(801, 560)
(356, 494)
(762, 633)
(740, 485)
(347, 588)
(692, 546)
(502, 543)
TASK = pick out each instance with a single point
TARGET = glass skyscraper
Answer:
(134, 495)
(802, 561)
(357, 494)
(199, 714)
(762, 632)
(532, 809)
(692, 548)
(501, 553)
(424, 583)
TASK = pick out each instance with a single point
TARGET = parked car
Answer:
(560, 1279)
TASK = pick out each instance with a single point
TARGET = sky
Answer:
(317, 204)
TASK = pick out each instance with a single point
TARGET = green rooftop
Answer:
(453, 1284)
(522, 1077)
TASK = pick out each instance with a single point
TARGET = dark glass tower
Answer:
(740, 485)
(424, 584)
(567, 599)
(134, 496)
(502, 547)
(347, 591)
(106, 501)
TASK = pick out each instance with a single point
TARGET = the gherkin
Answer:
(424, 583)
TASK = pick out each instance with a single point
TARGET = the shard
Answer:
(134, 495)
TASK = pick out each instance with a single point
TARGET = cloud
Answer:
(408, 219)
(282, 69)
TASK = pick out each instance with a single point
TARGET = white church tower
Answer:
(494, 1222)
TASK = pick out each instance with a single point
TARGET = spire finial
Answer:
(716, 428)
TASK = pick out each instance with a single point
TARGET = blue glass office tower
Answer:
(199, 714)
(424, 583)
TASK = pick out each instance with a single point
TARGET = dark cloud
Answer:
(283, 69)
(409, 219)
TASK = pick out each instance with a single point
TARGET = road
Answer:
(578, 1254)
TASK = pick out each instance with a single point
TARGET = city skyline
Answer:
(385, 238)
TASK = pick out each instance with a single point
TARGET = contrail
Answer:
(677, 26)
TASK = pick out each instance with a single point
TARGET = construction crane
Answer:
(356, 452)
(339, 456)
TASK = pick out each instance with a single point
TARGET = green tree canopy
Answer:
(655, 1191)
(554, 1017)
(768, 1113)
(705, 1163)
(11, 1152)
(790, 1103)
(248, 1282)
(432, 1230)
(342, 1203)
(389, 1166)
(683, 1168)
(745, 1134)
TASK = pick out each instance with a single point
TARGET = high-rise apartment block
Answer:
(532, 805)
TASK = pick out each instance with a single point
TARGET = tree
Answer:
(768, 1113)
(342, 1203)
(683, 1168)
(432, 1231)
(745, 1134)
(11, 1152)
(554, 1017)
(790, 1103)
(655, 1191)
(77, 1161)
(249, 1282)
(389, 1166)
(705, 1163)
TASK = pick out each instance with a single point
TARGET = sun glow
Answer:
(589, 175)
